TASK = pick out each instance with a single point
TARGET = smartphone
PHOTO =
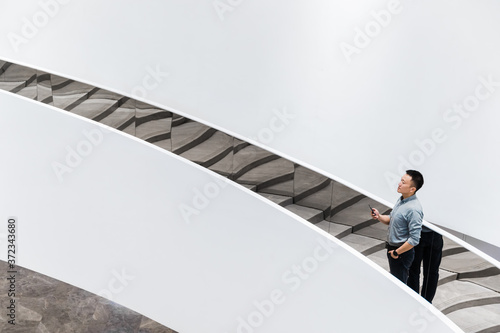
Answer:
(373, 212)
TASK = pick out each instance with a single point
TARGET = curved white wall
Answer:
(113, 227)
(360, 107)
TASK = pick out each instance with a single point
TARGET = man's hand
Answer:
(382, 218)
(393, 255)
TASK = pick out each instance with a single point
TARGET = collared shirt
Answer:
(406, 222)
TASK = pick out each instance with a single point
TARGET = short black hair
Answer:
(416, 178)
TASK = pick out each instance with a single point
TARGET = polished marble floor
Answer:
(46, 305)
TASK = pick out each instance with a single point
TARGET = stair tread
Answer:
(320, 199)
(306, 213)
(217, 144)
(277, 199)
(248, 156)
(267, 171)
(249, 186)
(362, 243)
(460, 294)
(491, 282)
(186, 132)
(284, 188)
(377, 230)
(464, 262)
(357, 213)
(477, 318)
(334, 229)
(306, 179)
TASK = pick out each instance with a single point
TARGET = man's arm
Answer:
(385, 219)
(415, 218)
(402, 249)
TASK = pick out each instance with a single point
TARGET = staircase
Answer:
(469, 287)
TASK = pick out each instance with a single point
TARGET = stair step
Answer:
(334, 229)
(343, 197)
(458, 295)
(468, 264)
(285, 188)
(188, 135)
(210, 151)
(249, 158)
(478, 319)
(365, 245)
(99, 108)
(320, 199)
(357, 215)
(310, 214)
(224, 166)
(153, 125)
(490, 282)
(268, 174)
(377, 231)
(250, 187)
(278, 199)
(451, 248)
(308, 182)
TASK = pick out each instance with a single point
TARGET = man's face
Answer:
(405, 186)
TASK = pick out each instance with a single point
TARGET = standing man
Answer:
(405, 224)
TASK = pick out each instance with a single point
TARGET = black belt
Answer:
(392, 247)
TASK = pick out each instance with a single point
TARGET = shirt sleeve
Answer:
(414, 219)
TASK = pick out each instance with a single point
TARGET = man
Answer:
(430, 250)
(405, 224)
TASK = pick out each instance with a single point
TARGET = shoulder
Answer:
(414, 207)
(416, 204)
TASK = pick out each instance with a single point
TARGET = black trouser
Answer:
(400, 267)
(430, 250)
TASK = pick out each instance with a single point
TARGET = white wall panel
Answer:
(357, 118)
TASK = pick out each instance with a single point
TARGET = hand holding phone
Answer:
(373, 210)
